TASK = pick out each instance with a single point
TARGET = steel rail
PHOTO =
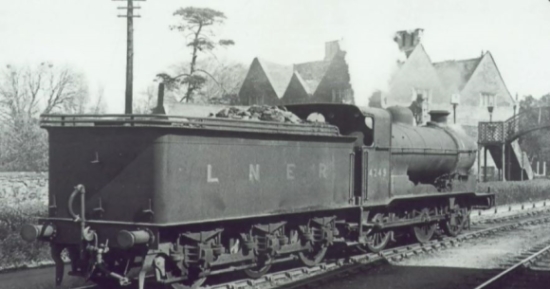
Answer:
(519, 264)
(302, 276)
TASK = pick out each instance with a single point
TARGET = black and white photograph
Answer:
(274, 144)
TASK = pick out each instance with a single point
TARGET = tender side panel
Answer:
(215, 178)
(114, 165)
(184, 176)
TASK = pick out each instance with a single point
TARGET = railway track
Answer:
(530, 270)
(340, 267)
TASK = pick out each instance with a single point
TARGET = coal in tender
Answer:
(260, 113)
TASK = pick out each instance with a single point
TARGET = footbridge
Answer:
(500, 139)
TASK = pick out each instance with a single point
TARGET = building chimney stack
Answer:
(331, 49)
(408, 40)
(160, 101)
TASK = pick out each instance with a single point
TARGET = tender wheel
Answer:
(455, 224)
(313, 257)
(258, 271)
(191, 285)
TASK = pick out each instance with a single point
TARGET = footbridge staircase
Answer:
(500, 139)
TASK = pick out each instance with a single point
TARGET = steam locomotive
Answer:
(178, 199)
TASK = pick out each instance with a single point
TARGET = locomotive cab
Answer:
(372, 128)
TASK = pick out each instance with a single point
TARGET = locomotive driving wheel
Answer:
(456, 221)
(424, 232)
(376, 241)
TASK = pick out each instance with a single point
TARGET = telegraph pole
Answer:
(129, 51)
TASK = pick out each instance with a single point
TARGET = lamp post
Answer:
(455, 101)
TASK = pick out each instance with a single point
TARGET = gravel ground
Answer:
(43, 278)
(459, 267)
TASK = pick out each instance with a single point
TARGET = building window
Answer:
(488, 99)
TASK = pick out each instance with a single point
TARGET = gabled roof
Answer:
(418, 51)
(312, 73)
(278, 75)
(455, 74)
(488, 54)
(303, 83)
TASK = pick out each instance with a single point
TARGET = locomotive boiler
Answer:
(183, 199)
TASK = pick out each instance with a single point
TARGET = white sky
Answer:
(88, 35)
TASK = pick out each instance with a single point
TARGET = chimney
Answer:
(331, 49)
(160, 100)
(407, 40)
(439, 117)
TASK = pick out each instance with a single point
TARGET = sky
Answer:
(88, 35)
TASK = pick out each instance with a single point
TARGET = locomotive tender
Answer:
(182, 198)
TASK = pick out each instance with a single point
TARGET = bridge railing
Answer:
(491, 132)
(512, 128)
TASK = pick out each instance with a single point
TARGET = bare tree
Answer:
(25, 92)
(99, 106)
(65, 91)
(230, 77)
(221, 88)
(146, 101)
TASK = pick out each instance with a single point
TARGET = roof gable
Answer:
(418, 56)
(416, 73)
(278, 75)
(303, 83)
(455, 74)
(312, 73)
(488, 58)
